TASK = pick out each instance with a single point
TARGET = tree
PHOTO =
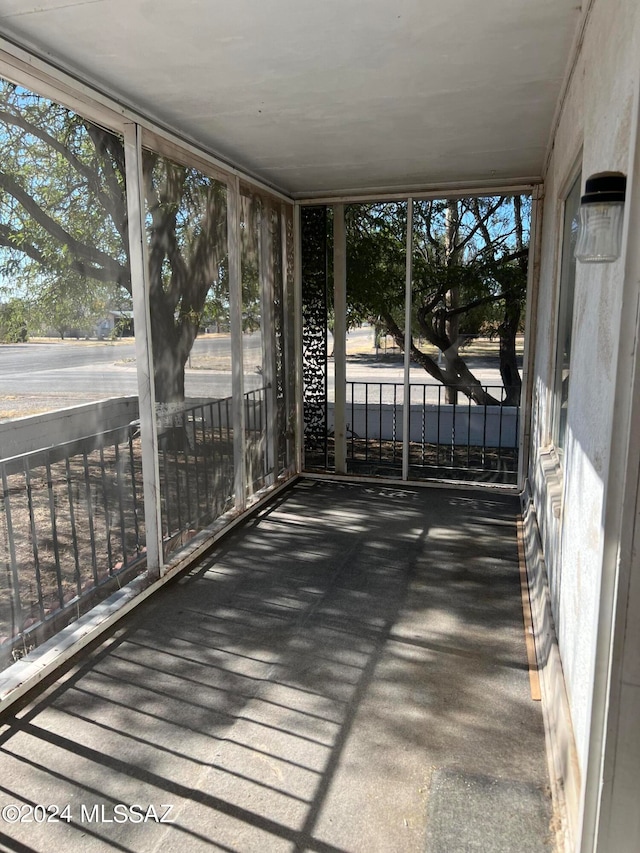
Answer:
(250, 215)
(217, 310)
(14, 321)
(187, 237)
(469, 278)
(63, 224)
(69, 306)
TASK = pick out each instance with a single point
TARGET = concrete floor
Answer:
(346, 672)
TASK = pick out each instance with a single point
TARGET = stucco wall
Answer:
(594, 130)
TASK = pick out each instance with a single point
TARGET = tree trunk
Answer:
(509, 327)
(168, 374)
(508, 359)
(455, 374)
(452, 297)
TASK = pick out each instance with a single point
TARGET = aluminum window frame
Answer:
(564, 313)
(29, 71)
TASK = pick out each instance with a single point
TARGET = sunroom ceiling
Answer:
(326, 96)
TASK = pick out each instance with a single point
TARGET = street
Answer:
(37, 377)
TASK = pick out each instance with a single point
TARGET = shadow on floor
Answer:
(301, 689)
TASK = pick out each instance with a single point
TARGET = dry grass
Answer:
(80, 342)
(479, 348)
(14, 406)
(73, 533)
(219, 363)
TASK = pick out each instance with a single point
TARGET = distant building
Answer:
(116, 324)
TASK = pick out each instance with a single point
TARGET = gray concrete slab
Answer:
(345, 672)
(479, 814)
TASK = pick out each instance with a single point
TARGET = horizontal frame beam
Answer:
(27, 68)
(520, 186)
(458, 485)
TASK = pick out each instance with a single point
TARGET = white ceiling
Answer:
(331, 96)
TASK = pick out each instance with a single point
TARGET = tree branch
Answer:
(480, 223)
(80, 251)
(103, 141)
(476, 303)
(14, 240)
(455, 375)
(92, 177)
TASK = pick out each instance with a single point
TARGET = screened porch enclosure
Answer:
(147, 387)
(288, 446)
(173, 368)
(413, 337)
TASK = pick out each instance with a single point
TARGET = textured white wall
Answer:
(595, 120)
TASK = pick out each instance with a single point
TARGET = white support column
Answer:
(268, 343)
(237, 368)
(531, 322)
(144, 349)
(609, 818)
(297, 253)
(287, 334)
(406, 403)
(340, 338)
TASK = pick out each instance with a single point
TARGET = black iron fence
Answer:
(197, 476)
(459, 440)
(72, 517)
(196, 468)
(71, 526)
(258, 463)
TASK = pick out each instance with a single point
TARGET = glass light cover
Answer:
(600, 234)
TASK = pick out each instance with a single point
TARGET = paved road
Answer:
(37, 358)
(66, 373)
(41, 376)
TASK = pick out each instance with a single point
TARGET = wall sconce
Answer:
(601, 209)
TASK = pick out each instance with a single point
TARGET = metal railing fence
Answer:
(197, 463)
(258, 463)
(461, 440)
(72, 522)
(72, 515)
(196, 469)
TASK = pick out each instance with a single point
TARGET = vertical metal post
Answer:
(287, 336)
(167, 493)
(406, 406)
(237, 367)
(134, 492)
(297, 259)
(54, 529)
(119, 489)
(144, 350)
(340, 338)
(106, 510)
(353, 418)
(34, 537)
(268, 342)
(531, 323)
(205, 464)
(92, 530)
(366, 421)
(185, 474)
(194, 436)
(72, 522)
(16, 605)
